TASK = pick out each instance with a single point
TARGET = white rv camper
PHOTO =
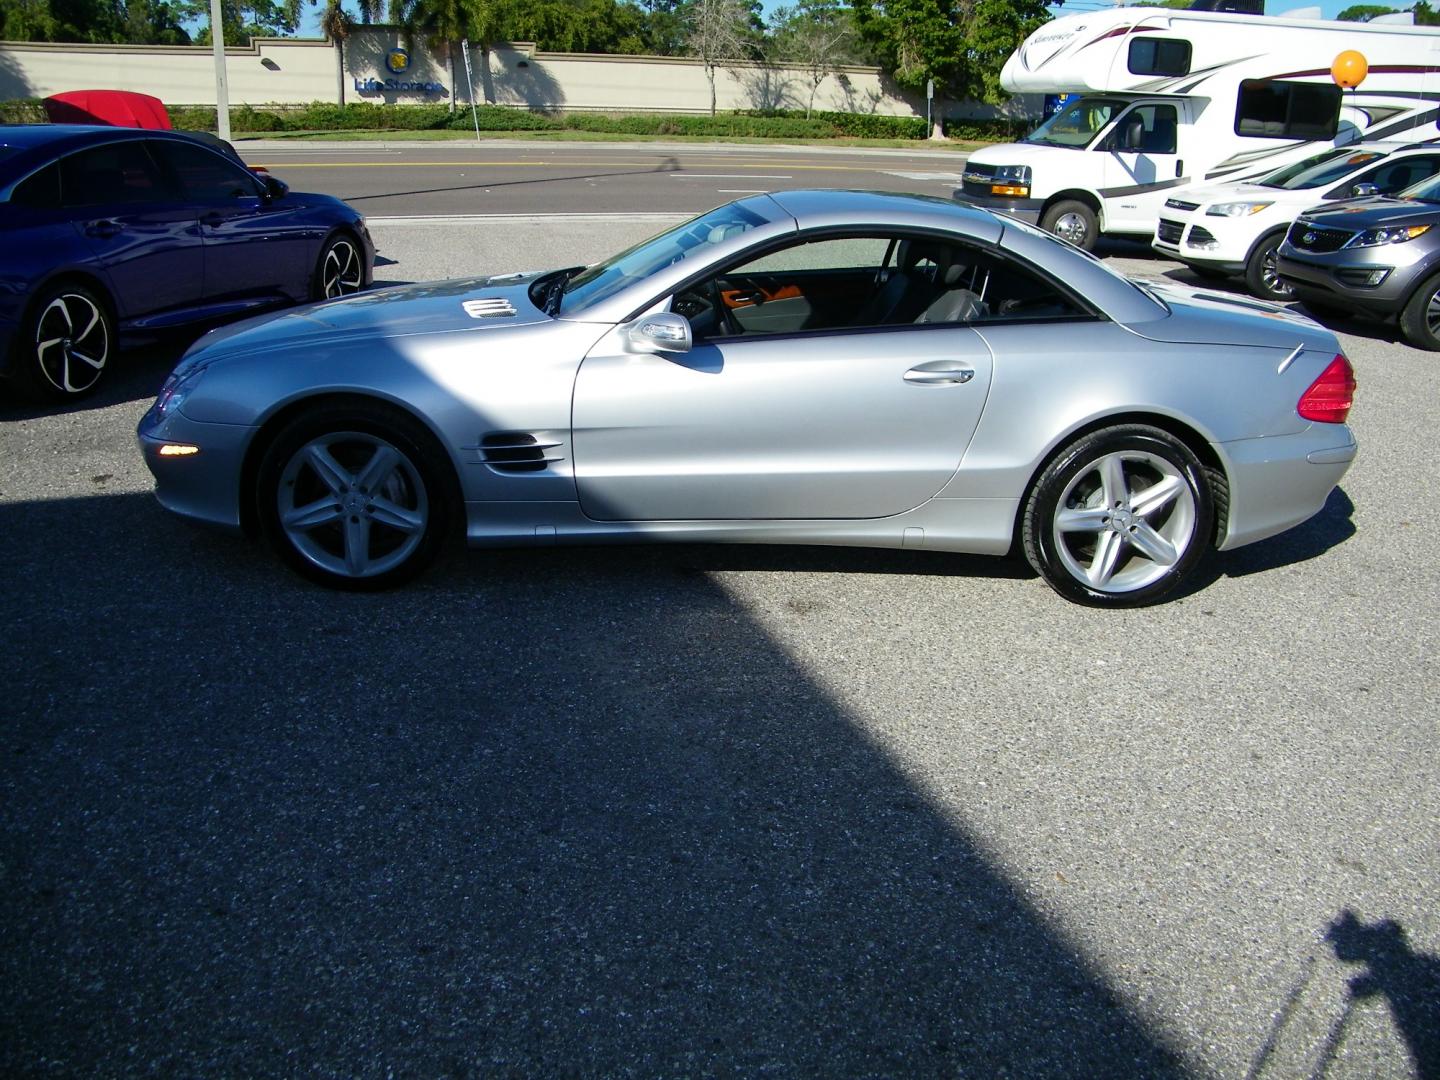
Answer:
(1173, 97)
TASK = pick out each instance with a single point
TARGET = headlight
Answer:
(1018, 173)
(1236, 209)
(175, 391)
(1397, 235)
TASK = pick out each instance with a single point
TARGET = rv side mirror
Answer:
(1361, 191)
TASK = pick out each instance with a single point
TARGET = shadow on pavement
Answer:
(574, 812)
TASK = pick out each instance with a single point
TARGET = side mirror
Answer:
(275, 189)
(1361, 191)
(661, 332)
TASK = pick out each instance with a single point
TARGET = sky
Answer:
(310, 22)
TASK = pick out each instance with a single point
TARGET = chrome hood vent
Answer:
(489, 307)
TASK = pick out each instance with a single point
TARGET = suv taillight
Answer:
(1330, 396)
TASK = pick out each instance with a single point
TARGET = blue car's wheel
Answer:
(340, 269)
(354, 496)
(66, 345)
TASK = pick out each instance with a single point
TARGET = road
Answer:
(701, 810)
(534, 178)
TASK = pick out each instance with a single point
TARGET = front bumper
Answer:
(1212, 243)
(205, 485)
(1278, 482)
(1320, 279)
(1026, 210)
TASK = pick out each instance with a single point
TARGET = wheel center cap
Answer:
(1121, 520)
(354, 503)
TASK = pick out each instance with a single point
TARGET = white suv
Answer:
(1235, 228)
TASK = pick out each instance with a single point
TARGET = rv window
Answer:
(1267, 109)
(1159, 56)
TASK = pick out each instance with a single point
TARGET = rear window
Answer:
(40, 191)
(118, 173)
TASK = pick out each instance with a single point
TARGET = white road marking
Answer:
(945, 177)
(726, 176)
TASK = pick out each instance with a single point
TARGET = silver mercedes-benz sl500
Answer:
(807, 367)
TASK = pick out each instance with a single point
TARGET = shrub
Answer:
(500, 118)
(22, 111)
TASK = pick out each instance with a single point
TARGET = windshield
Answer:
(1077, 124)
(1320, 169)
(1425, 191)
(604, 279)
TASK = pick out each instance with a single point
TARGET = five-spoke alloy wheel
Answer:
(70, 337)
(1119, 517)
(340, 270)
(354, 496)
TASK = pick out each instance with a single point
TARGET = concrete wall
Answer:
(291, 71)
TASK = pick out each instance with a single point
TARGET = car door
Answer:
(1141, 153)
(143, 235)
(255, 246)
(811, 415)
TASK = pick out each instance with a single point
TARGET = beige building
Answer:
(374, 65)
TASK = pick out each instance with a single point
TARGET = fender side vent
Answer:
(516, 452)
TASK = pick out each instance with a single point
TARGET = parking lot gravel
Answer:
(712, 810)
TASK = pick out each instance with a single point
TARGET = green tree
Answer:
(137, 22)
(1424, 16)
(1363, 12)
(961, 44)
(595, 26)
(445, 23)
(243, 19)
(817, 35)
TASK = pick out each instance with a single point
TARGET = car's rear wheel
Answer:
(340, 269)
(1073, 220)
(1420, 320)
(66, 344)
(1262, 274)
(354, 496)
(1119, 518)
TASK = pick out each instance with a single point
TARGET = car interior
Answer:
(857, 282)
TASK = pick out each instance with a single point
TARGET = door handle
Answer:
(939, 376)
(103, 228)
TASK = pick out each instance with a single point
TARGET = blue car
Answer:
(106, 232)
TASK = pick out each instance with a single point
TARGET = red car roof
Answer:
(118, 108)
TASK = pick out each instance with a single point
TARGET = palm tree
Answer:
(439, 22)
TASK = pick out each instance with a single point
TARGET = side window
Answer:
(1397, 174)
(1145, 129)
(203, 175)
(862, 282)
(40, 191)
(1271, 109)
(1159, 56)
(117, 173)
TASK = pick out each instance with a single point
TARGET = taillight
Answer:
(1330, 396)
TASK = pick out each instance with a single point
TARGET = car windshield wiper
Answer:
(556, 289)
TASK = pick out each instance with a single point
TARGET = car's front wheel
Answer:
(1119, 517)
(66, 345)
(1073, 220)
(354, 496)
(1262, 275)
(340, 270)
(1420, 320)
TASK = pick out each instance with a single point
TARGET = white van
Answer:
(1173, 98)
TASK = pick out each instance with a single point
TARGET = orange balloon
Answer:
(1349, 69)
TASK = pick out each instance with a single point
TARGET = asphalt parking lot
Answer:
(704, 810)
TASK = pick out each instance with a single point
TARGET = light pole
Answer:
(222, 93)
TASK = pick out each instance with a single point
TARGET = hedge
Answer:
(370, 116)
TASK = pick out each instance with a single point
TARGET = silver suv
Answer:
(1379, 256)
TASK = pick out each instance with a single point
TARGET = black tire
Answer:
(66, 345)
(1108, 565)
(340, 269)
(1073, 221)
(1420, 319)
(363, 532)
(1260, 276)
